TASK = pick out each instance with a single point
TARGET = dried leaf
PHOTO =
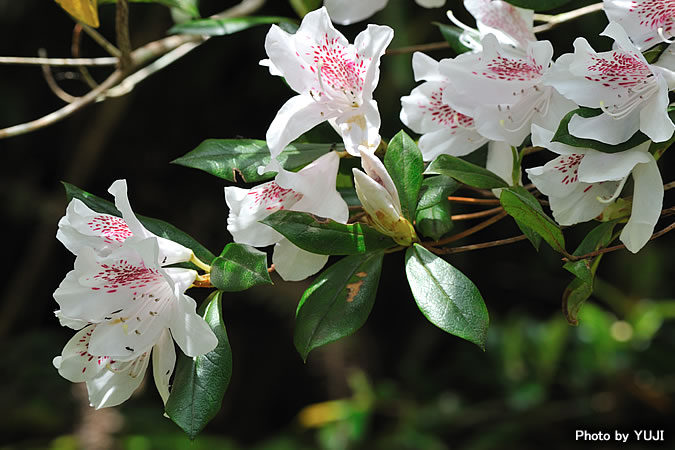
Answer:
(83, 10)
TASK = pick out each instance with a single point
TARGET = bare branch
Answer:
(122, 32)
(552, 21)
(69, 62)
(51, 82)
(100, 40)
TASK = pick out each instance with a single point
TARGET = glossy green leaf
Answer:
(239, 267)
(302, 7)
(524, 207)
(452, 35)
(465, 172)
(532, 236)
(158, 227)
(188, 6)
(597, 238)
(446, 296)
(653, 54)
(338, 302)
(433, 215)
(404, 163)
(239, 159)
(225, 26)
(325, 236)
(563, 135)
(539, 5)
(200, 383)
(576, 294)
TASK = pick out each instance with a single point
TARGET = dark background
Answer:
(401, 383)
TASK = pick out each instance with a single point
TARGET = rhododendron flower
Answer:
(311, 190)
(647, 22)
(632, 93)
(133, 303)
(379, 197)
(501, 88)
(510, 25)
(334, 79)
(82, 227)
(345, 12)
(444, 130)
(580, 183)
(111, 381)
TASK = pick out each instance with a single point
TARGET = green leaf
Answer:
(404, 163)
(446, 296)
(225, 26)
(653, 54)
(338, 302)
(539, 5)
(433, 215)
(156, 226)
(229, 158)
(531, 235)
(563, 135)
(597, 238)
(200, 383)
(188, 6)
(576, 294)
(325, 236)
(302, 7)
(239, 267)
(525, 208)
(465, 172)
(452, 35)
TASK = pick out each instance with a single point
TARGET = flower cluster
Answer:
(127, 305)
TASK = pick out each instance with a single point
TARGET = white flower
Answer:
(335, 81)
(647, 22)
(345, 12)
(510, 25)
(444, 130)
(379, 197)
(632, 94)
(580, 183)
(311, 190)
(83, 228)
(501, 88)
(110, 381)
(132, 303)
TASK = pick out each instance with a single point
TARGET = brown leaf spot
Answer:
(353, 289)
(362, 274)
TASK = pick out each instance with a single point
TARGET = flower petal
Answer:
(163, 362)
(511, 25)
(360, 128)
(76, 363)
(370, 45)
(249, 206)
(598, 166)
(605, 128)
(647, 204)
(654, 119)
(111, 388)
(190, 331)
(293, 263)
(346, 12)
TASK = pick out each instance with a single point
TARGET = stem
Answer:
(478, 201)
(100, 40)
(199, 263)
(552, 21)
(467, 232)
(669, 186)
(477, 215)
(468, 248)
(51, 82)
(122, 32)
(203, 281)
(69, 62)
(75, 50)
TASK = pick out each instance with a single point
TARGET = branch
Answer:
(68, 62)
(418, 48)
(477, 215)
(467, 232)
(468, 248)
(100, 40)
(477, 201)
(552, 21)
(51, 82)
(122, 32)
(618, 247)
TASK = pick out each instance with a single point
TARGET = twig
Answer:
(28, 61)
(468, 248)
(122, 32)
(100, 40)
(51, 82)
(477, 215)
(477, 201)
(668, 186)
(617, 247)
(467, 232)
(75, 50)
(418, 48)
(552, 21)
